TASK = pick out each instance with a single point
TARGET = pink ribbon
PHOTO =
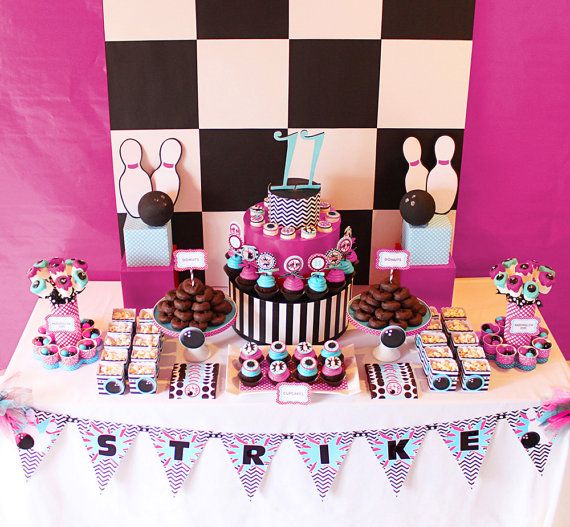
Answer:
(134, 165)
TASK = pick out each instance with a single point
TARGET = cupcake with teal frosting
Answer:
(307, 370)
(317, 286)
(331, 348)
(233, 265)
(266, 286)
(347, 268)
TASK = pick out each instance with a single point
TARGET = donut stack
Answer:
(388, 304)
(193, 304)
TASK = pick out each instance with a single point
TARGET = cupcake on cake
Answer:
(347, 268)
(266, 286)
(233, 265)
(317, 286)
(247, 278)
(293, 288)
(336, 279)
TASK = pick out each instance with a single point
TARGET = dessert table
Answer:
(509, 491)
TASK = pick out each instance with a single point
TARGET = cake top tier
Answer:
(295, 193)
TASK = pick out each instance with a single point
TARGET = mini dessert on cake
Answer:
(336, 279)
(266, 286)
(247, 278)
(278, 372)
(307, 370)
(317, 286)
(234, 264)
(278, 351)
(250, 350)
(302, 350)
(308, 232)
(288, 233)
(324, 207)
(270, 229)
(333, 216)
(293, 288)
(333, 371)
(331, 348)
(256, 221)
(324, 226)
(250, 373)
(347, 268)
(257, 210)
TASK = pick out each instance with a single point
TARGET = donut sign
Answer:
(190, 259)
(317, 262)
(293, 264)
(392, 259)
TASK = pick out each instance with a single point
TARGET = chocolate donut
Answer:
(402, 323)
(218, 298)
(371, 301)
(374, 323)
(203, 316)
(182, 295)
(422, 310)
(416, 320)
(404, 314)
(383, 315)
(178, 324)
(355, 305)
(165, 307)
(171, 295)
(225, 307)
(206, 295)
(381, 296)
(196, 289)
(391, 305)
(401, 294)
(184, 315)
(165, 318)
(390, 287)
(200, 306)
(217, 319)
(182, 305)
(367, 308)
(362, 315)
(409, 302)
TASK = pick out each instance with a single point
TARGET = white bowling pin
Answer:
(442, 181)
(134, 182)
(416, 176)
(165, 178)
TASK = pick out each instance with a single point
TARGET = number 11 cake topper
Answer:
(291, 144)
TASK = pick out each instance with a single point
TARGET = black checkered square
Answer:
(361, 223)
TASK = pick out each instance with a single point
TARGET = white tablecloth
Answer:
(509, 491)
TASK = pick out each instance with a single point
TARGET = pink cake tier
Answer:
(282, 249)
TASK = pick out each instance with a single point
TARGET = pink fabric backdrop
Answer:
(55, 148)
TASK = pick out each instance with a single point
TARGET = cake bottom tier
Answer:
(264, 321)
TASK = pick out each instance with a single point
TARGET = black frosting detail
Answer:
(302, 193)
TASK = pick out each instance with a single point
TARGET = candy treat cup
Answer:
(50, 358)
(506, 356)
(543, 347)
(335, 280)
(490, 341)
(526, 358)
(69, 357)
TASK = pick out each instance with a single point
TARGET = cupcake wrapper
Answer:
(266, 295)
(313, 295)
(93, 359)
(525, 368)
(542, 360)
(50, 360)
(292, 296)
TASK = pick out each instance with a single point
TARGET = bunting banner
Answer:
(107, 444)
(323, 455)
(535, 438)
(468, 441)
(35, 437)
(178, 450)
(396, 449)
(251, 455)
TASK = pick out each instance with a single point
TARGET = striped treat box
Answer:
(265, 321)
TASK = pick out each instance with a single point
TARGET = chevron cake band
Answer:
(294, 207)
(264, 321)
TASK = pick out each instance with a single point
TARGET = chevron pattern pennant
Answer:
(107, 445)
(178, 450)
(468, 441)
(251, 455)
(323, 455)
(535, 438)
(396, 449)
(35, 437)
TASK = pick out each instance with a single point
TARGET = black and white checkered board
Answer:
(222, 75)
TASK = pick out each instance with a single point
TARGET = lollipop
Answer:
(530, 291)
(514, 285)
(545, 281)
(500, 282)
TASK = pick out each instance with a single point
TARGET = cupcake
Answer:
(250, 350)
(317, 286)
(278, 351)
(347, 268)
(233, 265)
(247, 278)
(331, 348)
(266, 286)
(250, 373)
(333, 371)
(302, 350)
(278, 372)
(335, 279)
(307, 370)
(293, 288)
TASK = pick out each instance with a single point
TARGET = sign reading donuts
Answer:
(392, 259)
(190, 259)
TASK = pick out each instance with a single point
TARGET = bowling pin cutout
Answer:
(165, 178)
(416, 177)
(442, 181)
(134, 182)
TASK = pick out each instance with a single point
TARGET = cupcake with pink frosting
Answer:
(333, 371)
(293, 288)
(247, 278)
(335, 279)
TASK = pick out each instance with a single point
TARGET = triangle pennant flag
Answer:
(178, 450)
(468, 441)
(107, 444)
(535, 437)
(396, 449)
(251, 455)
(323, 455)
(35, 437)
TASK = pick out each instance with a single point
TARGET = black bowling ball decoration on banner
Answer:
(156, 208)
(417, 207)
